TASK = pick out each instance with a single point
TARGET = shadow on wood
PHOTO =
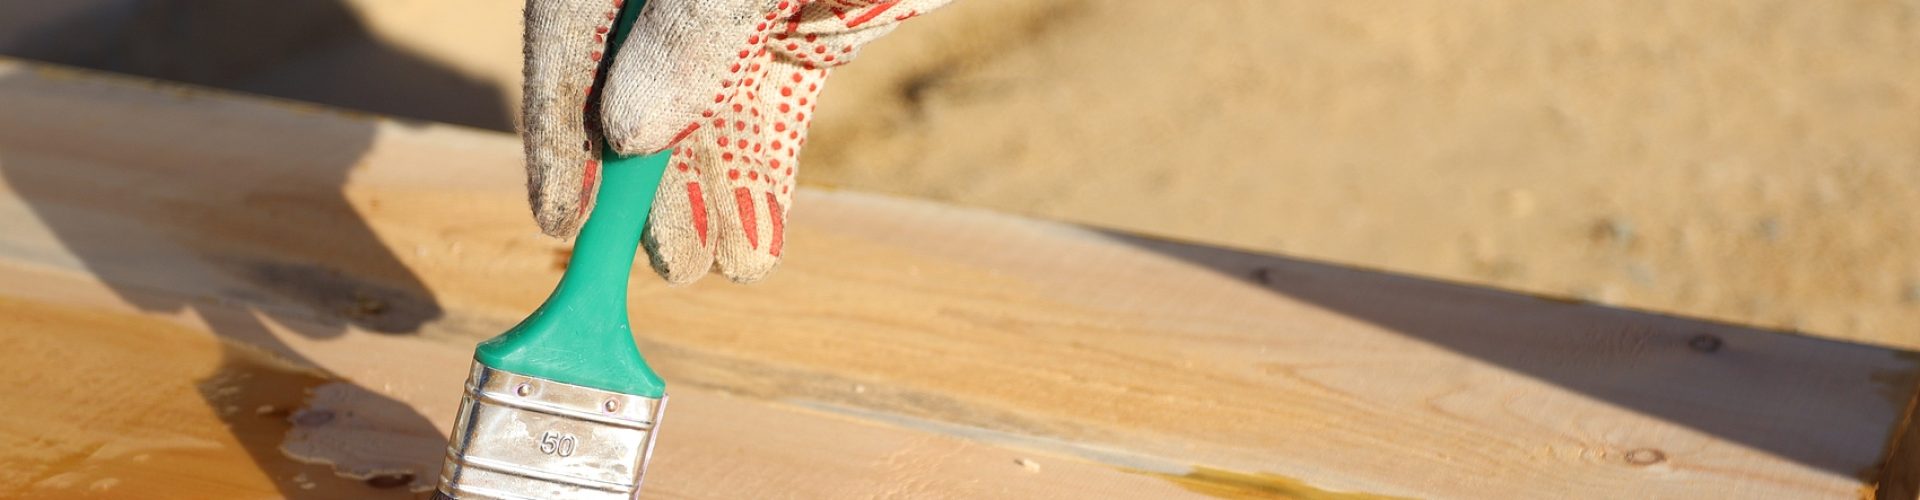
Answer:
(282, 234)
(284, 48)
(1761, 389)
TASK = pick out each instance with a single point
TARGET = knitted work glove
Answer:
(727, 85)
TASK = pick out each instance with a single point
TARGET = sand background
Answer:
(1741, 160)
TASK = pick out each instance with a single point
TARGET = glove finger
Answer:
(791, 94)
(747, 232)
(564, 43)
(755, 202)
(681, 60)
(678, 240)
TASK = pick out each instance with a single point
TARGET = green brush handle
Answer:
(581, 336)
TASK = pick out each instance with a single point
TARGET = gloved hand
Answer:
(727, 85)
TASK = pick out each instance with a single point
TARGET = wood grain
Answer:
(906, 349)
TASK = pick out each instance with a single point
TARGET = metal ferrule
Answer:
(524, 437)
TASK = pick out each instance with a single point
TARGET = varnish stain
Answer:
(1219, 483)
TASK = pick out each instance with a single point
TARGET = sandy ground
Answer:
(1741, 160)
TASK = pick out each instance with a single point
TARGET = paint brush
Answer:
(562, 405)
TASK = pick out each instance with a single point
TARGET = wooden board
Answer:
(904, 350)
(1901, 477)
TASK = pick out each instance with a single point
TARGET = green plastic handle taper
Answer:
(581, 335)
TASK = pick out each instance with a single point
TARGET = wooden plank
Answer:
(1200, 368)
(1900, 479)
(156, 406)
